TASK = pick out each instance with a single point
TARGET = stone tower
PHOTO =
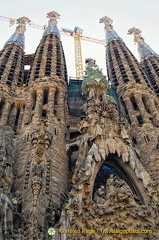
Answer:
(137, 100)
(34, 115)
(11, 77)
(149, 59)
(41, 160)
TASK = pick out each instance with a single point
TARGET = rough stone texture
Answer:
(150, 66)
(37, 115)
(124, 200)
(111, 182)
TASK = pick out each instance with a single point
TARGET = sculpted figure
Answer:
(99, 196)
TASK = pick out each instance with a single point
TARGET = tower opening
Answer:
(134, 103)
(140, 120)
(17, 119)
(34, 96)
(44, 113)
(45, 99)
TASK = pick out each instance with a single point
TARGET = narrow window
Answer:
(44, 113)
(45, 100)
(134, 103)
(140, 120)
(2, 103)
(134, 140)
(34, 100)
(17, 117)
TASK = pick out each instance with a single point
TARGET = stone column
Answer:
(12, 116)
(38, 106)
(43, 60)
(54, 58)
(153, 109)
(5, 113)
(130, 110)
(141, 107)
(60, 106)
(20, 118)
(51, 104)
(28, 109)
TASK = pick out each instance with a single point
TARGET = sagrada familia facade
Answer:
(78, 161)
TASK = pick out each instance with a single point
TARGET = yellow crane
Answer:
(76, 34)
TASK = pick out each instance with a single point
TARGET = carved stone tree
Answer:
(110, 187)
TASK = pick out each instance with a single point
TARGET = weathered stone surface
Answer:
(110, 186)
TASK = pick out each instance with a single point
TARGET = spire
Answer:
(110, 33)
(52, 25)
(18, 37)
(143, 49)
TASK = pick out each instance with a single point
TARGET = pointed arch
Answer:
(124, 171)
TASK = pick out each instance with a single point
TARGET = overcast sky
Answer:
(125, 14)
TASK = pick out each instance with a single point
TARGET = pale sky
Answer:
(125, 14)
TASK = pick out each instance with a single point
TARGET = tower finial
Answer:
(110, 33)
(18, 36)
(107, 22)
(137, 35)
(53, 17)
(52, 25)
(21, 28)
(143, 49)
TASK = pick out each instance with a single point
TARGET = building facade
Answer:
(82, 157)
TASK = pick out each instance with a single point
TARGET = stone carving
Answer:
(6, 217)
(128, 143)
(52, 216)
(113, 205)
(5, 169)
(99, 197)
(42, 139)
(36, 182)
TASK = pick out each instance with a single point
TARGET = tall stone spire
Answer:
(110, 33)
(143, 48)
(49, 58)
(45, 119)
(137, 101)
(18, 37)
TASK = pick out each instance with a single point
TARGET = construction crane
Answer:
(76, 34)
